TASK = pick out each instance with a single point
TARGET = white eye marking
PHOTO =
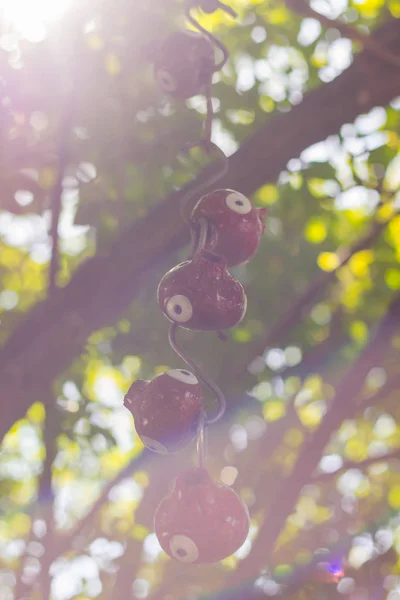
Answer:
(183, 549)
(153, 445)
(166, 81)
(183, 375)
(179, 309)
(238, 203)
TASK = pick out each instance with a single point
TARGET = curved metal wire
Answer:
(228, 10)
(210, 113)
(208, 382)
(199, 233)
(198, 238)
(209, 146)
(210, 6)
(203, 232)
(201, 440)
(215, 41)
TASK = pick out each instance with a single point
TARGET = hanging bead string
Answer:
(199, 236)
(199, 294)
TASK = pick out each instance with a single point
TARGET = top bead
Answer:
(184, 64)
(235, 225)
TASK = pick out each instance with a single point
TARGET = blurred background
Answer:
(90, 167)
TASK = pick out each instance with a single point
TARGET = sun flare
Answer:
(32, 18)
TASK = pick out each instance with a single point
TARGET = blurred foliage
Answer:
(88, 68)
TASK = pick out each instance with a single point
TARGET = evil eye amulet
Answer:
(166, 409)
(200, 294)
(235, 226)
(184, 64)
(201, 521)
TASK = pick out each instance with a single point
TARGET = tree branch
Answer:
(75, 539)
(103, 287)
(348, 31)
(341, 407)
(353, 464)
(63, 158)
(44, 506)
(302, 583)
(56, 200)
(291, 317)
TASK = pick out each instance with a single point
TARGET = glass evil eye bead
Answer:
(201, 521)
(235, 225)
(200, 294)
(166, 410)
(184, 64)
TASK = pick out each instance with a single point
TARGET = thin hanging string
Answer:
(208, 382)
